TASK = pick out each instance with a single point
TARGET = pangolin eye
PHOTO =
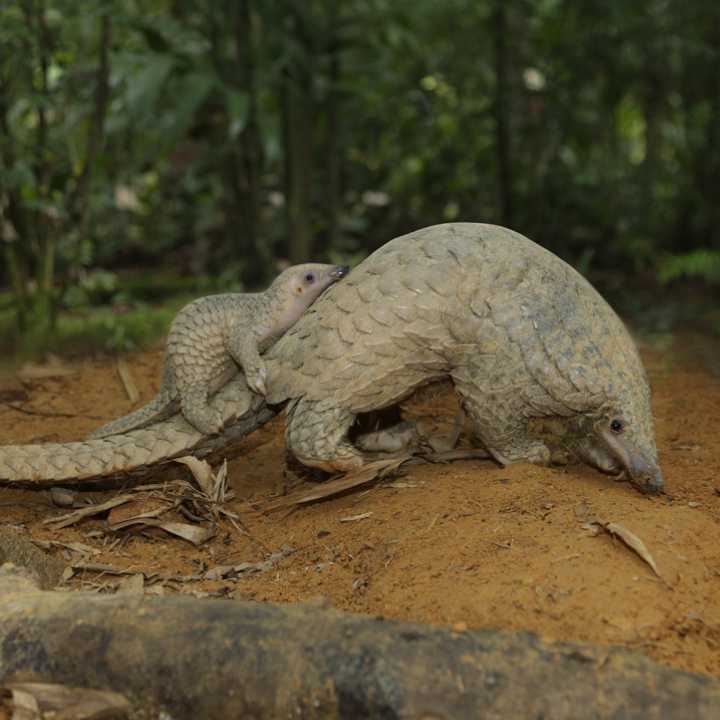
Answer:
(310, 278)
(617, 426)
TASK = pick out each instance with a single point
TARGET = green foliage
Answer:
(702, 264)
(86, 330)
(214, 138)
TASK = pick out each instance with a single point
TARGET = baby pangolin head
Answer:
(297, 287)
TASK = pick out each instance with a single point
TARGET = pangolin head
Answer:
(618, 436)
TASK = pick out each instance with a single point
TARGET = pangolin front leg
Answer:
(503, 434)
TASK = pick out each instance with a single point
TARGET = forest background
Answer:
(156, 150)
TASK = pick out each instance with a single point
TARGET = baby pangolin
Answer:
(212, 336)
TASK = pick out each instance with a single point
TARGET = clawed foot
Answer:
(208, 422)
(402, 437)
(535, 453)
(256, 378)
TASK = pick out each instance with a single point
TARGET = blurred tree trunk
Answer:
(652, 103)
(40, 263)
(710, 155)
(79, 198)
(298, 140)
(247, 171)
(242, 160)
(14, 218)
(698, 210)
(502, 113)
(334, 141)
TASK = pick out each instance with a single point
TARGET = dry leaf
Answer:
(195, 534)
(192, 533)
(25, 706)
(76, 547)
(369, 472)
(632, 541)
(355, 518)
(68, 703)
(202, 472)
(126, 378)
(220, 483)
(136, 511)
(71, 518)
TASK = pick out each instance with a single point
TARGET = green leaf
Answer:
(144, 90)
(191, 92)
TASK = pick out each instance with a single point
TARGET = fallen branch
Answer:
(183, 656)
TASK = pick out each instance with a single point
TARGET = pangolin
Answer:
(541, 363)
(212, 336)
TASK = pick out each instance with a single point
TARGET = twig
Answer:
(504, 546)
(126, 378)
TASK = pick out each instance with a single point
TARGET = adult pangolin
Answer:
(542, 364)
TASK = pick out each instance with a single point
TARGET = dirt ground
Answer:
(465, 544)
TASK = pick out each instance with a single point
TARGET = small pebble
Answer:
(61, 497)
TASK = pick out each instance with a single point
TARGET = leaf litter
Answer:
(629, 538)
(34, 701)
(147, 506)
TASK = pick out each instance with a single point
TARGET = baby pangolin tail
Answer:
(161, 407)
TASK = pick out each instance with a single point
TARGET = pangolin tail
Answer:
(162, 406)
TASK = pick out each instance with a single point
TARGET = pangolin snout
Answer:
(340, 271)
(645, 476)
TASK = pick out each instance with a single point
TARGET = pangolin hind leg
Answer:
(317, 435)
(197, 411)
(504, 430)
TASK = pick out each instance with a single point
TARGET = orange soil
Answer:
(461, 544)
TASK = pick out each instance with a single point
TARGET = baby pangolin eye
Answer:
(616, 426)
(310, 278)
